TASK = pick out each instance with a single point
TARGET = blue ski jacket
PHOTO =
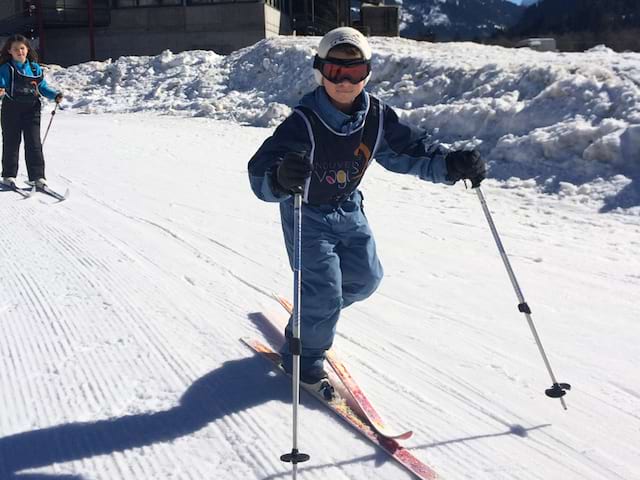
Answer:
(25, 69)
(401, 148)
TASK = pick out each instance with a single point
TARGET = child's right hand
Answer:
(293, 172)
(1, 92)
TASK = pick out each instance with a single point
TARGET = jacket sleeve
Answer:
(404, 149)
(290, 136)
(4, 76)
(44, 87)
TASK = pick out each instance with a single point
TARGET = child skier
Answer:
(323, 149)
(21, 86)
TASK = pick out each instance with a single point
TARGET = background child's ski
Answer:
(60, 197)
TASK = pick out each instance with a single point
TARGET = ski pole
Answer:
(295, 345)
(53, 112)
(557, 390)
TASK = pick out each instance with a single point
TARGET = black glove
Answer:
(466, 164)
(58, 98)
(293, 172)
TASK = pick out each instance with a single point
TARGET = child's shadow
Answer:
(235, 386)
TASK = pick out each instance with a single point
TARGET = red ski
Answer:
(362, 403)
(340, 407)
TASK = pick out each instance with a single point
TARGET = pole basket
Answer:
(558, 390)
(294, 457)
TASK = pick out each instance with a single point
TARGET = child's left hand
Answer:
(466, 164)
(58, 98)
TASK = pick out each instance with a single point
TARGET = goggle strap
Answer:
(318, 62)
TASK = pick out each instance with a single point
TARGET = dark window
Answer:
(213, 2)
(279, 4)
(145, 3)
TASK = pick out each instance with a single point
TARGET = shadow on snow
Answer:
(235, 386)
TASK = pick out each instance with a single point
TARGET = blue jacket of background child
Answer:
(25, 69)
(340, 265)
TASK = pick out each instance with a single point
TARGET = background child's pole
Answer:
(50, 120)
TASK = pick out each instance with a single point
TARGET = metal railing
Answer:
(311, 25)
(20, 23)
(278, 4)
(57, 14)
(72, 13)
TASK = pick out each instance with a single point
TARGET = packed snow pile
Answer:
(563, 119)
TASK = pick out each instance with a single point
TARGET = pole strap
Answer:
(524, 308)
(295, 346)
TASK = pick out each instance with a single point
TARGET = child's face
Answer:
(344, 93)
(19, 52)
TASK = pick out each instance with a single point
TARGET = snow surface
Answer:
(121, 309)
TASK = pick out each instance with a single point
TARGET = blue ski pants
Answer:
(339, 266)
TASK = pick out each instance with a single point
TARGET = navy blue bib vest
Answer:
(339, 160)
(23, 88)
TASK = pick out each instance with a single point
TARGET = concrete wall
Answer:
(148, 31)
(380, 20)
(9, 7)
(539, 44)
(276, 22)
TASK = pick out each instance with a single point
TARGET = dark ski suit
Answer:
(23, 84)
(339, 261)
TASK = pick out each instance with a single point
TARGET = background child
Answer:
(21, 86)
(324, 148)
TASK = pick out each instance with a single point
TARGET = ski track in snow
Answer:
(121, 311)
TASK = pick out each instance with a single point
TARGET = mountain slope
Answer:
(563, 16)
(455, 19)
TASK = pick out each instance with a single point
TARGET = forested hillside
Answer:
(581, 24)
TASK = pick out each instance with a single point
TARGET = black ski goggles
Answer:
(337, 70)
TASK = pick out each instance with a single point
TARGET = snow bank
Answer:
(558, 118)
